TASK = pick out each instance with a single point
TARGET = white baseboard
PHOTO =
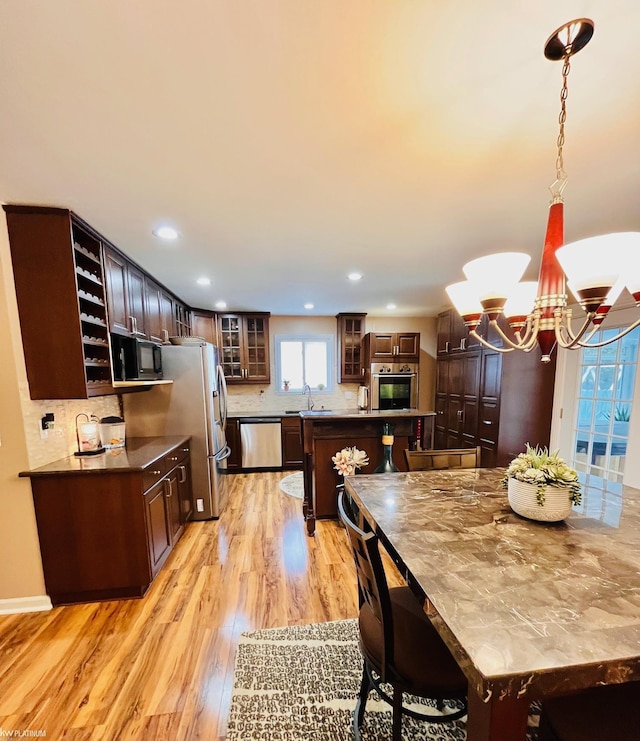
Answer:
(25, 604)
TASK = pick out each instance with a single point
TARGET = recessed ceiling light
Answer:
(221, 304)
(166, 232)
(354, 276)
(204, 281)
(391, 306)
(308, 306)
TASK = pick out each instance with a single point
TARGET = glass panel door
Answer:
(605, 398)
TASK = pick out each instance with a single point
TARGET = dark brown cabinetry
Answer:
(126, 295)
(157, 524)
(291, 442)
(160, 320)
(182, 320)
(234, 441)
(244, 347)
(453, 336)
(457, 407)
(57, 267)
(392, 346)
(203, 324)
(483, 397)
(350, 350)
(104, 534)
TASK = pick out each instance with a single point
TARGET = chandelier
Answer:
(596, 270)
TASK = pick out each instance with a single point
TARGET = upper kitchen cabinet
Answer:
(125, 294)
(396, 347)
(244, 347)
(182, 320)
(350, 349)
(160, 320)
(452, 334)
(203, 324)
(60, 289)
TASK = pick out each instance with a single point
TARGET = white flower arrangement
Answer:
(541, 468)
(347, 460)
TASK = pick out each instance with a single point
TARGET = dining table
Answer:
(528, 609)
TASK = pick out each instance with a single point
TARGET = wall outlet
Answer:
(348, 394)
(200, 505)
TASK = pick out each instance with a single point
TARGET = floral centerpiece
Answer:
(537, 476)
(348, 460)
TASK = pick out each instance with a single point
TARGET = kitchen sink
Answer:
(293, 411)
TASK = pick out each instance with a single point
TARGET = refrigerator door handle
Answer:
(223, 454)
(222, 392)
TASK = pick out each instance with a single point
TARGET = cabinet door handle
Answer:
(165, 335)
(185, 450)
(133, 324)
(170, 494)
(446, 346)
(463, 343)
(156, 473)
(183, 471)
(173, 458)
(487, 422)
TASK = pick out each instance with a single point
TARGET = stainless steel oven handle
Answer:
(394, 375)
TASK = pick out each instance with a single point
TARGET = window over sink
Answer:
(304, 360)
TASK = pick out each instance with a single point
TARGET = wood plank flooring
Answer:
(162, 667)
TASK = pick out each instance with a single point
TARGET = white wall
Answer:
(565, 411)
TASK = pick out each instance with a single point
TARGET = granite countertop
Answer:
(334, 414)
(526, 607)
(138, 454)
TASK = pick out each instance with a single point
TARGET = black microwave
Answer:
(135, 359)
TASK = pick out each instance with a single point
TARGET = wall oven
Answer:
(394, 386)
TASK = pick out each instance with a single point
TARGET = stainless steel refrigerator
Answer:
(194, 404)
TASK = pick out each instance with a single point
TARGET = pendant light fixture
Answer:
(596, 270)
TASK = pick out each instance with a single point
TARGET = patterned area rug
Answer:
(293, 485)
(300, 684)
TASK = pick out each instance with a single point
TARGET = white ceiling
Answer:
(292, 141)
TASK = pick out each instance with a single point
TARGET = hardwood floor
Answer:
(162, 667)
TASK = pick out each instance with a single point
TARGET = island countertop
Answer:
(325, 432)
(333, 413)
(319, 414)
(138, 454)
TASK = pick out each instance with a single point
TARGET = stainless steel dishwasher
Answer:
(261, 442)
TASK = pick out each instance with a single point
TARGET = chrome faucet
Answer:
(307, 390)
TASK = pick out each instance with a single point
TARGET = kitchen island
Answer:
(107, 522)
(325, 432)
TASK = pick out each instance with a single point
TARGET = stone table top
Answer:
(528, 608)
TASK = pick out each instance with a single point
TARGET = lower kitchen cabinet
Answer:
(232, 431)
(159, 535)
(107, 525)
(291, 442)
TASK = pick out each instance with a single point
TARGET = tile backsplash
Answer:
(266, 399)
(61, 440)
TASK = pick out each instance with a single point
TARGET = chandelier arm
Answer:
(525, 343)
(625, 331)
(487, 344)
(574, 339)
(530, 338)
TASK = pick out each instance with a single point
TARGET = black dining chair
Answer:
(609, 713)
(399, 645)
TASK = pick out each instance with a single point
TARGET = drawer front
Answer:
(182, 452)
(153, 474)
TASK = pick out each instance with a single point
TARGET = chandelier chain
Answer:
(566, 67)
